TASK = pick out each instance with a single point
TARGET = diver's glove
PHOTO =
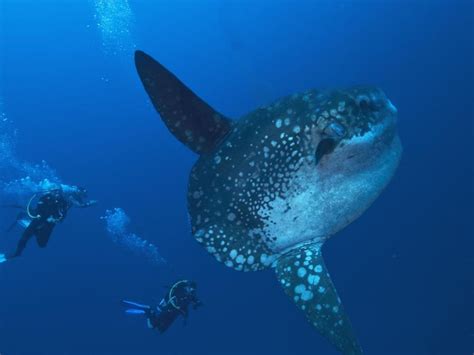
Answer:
(54, 220)
(90, 203)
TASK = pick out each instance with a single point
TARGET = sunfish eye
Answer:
(335, 129)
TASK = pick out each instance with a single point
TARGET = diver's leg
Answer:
(43, 234)
(25, 237)
(20, 218)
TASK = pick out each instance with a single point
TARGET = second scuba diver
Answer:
(175, 303)
(51, 209)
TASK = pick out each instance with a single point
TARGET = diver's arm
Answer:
(196, 302)
(86, 204)
(60, 213)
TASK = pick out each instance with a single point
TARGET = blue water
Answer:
(70, 96)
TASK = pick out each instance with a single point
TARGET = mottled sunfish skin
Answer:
(270, 188)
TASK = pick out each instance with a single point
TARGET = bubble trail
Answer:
(117, 223)
(114, 20)
(20, 179)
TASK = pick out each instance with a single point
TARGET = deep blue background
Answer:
(404, 270)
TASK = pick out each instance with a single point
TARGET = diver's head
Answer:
(190, 287)
(76, 194)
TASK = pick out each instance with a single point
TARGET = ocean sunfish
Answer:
(270, 188)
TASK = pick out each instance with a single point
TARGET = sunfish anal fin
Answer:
(190, 119)
(305, 279)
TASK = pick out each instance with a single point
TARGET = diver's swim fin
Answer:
(136, 305)
(305, 279)
(21, 220)
(135, 311)
(3, 258)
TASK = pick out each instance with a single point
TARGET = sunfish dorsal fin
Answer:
(304, 278)
(188, 117)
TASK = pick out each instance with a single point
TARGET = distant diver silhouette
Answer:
(175, 303)
(51, 209)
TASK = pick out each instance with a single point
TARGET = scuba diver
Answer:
(51, 209)
(175, 303)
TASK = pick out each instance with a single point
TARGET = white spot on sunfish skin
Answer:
(296, 129)
(321, 289)
(318, 307)
(233, 253)
(301, 272)
(231, 216)
(217, 159)
(199, 233)
(278, 123)
(306, 295)
(318, 268)
(300, 288)
(250, 259)
(240, 259)
(287, 121)
(313, 279)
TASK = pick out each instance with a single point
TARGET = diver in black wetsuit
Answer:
(175, 303)
(50, 210)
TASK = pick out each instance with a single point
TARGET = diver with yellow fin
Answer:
(175, 303)
(51, 209)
